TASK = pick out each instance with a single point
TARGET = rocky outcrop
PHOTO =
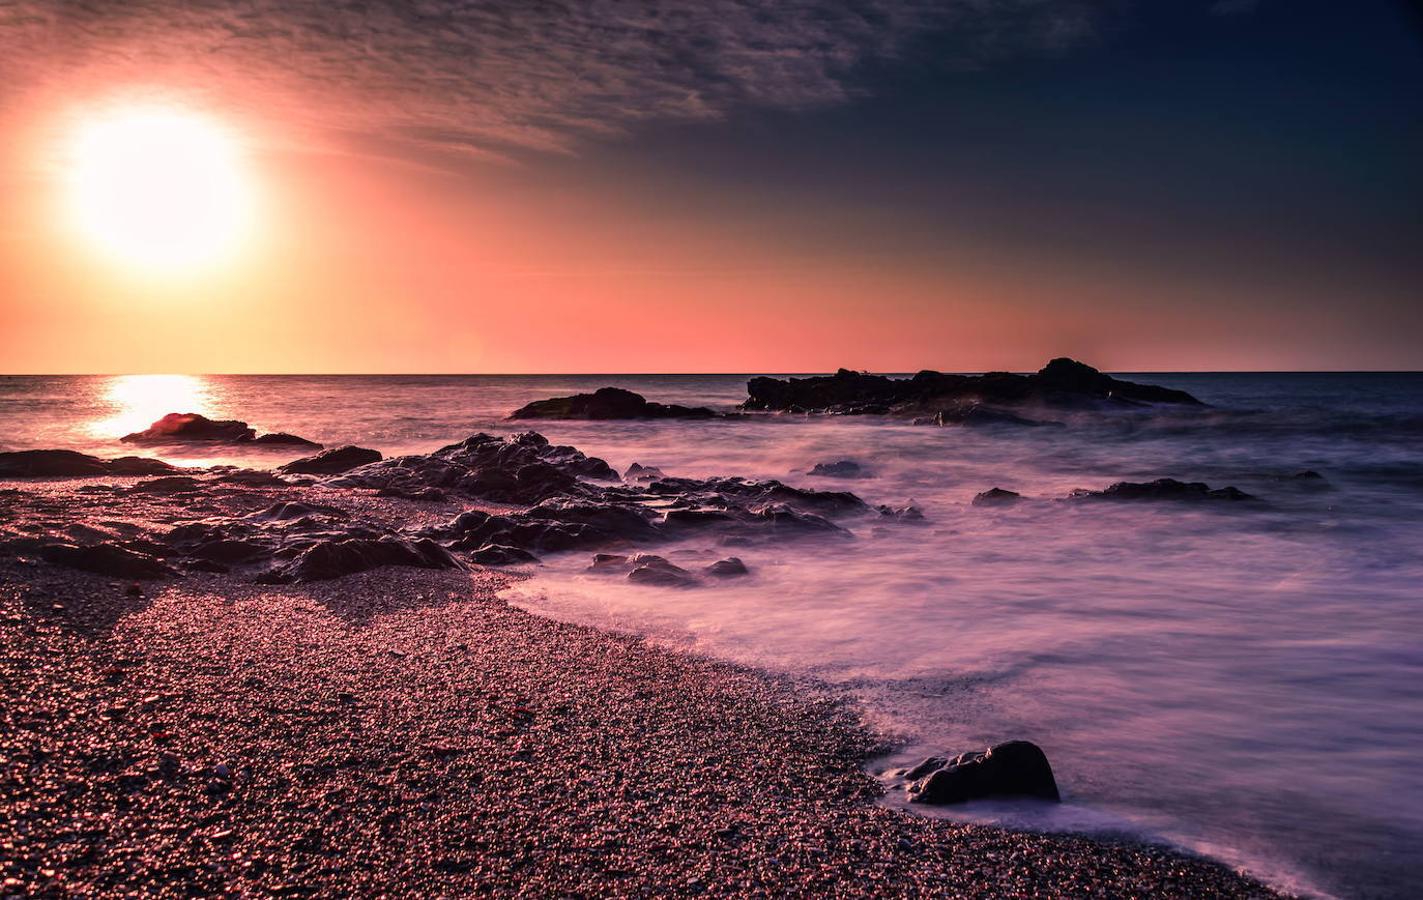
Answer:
(1013, 769)
(1162, 489)
(608, 403)
(843, 468)
(731, 567)
(961, 399)
(106, 559)
(194, 428)
(997, 497)
(332, 462)
(327, 559)
(68, 463)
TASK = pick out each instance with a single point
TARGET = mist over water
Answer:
(1242, 679)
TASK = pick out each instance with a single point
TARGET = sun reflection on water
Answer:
(137, 401)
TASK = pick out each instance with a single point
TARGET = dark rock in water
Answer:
(281, 438)
(172, 484)
(844, 468)
(731, 567)
(500, 555)
(608, 562)
(325, 560)
(964, 399)
(997, 497)
(1013, 769)
(974, 415)
(654, 570)
(607, 403)
(638, 473)
(68, 463)
(106, 559)
(183, 427)
(1162, 489)
(910, 513)
(332, 462)
(1308, 475)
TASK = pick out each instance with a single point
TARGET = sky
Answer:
(717, 185)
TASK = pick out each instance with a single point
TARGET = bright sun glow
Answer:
(159, 189)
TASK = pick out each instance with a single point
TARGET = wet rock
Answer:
(845, 468)
(607, 403)
(1012, 769)
(608, 562)
(173, 484)
(282, 439)
(69, 463)
(106, 559)
(501, 555)
(654, 570)
(638, 474)
(997, 497)
(1162, 489)
(968, 399)
(332, 462)
(974, 415)
(295, 509)
(329, 559)
(731, 567)
(910, 513)
(424, 494)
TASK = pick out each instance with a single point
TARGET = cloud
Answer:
(493, 79)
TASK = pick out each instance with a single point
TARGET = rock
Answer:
(997, 497)
(607, 403)
(974, 415)
(638, 473)
(172, 484)
(500, 555)
(329, 559)
(424, 494)
(655, 570)
(1013, 769)
(184, 427)
(731, 567)
(910, 513)
(281, 438)
(332, 462)
(106, 559)
(962, 399)
(69, 463)
(1162, 489)
(608, 562)
(845, 468)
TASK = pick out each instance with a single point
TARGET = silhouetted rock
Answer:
(332, 462)
(325, 560)
(176, 428)
(844, 468)
(975, 415)
(69, 463)
(281, 438)
(640, 474)
(997, 497)
(731, 567)
(607, 403)
(1013, 769)
(961, 399)
(106, 559)
(1162, 489)
(172, 484)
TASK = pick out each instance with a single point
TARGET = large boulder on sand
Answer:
(607, 403)
(1014, 769)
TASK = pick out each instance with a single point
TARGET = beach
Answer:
(403, 732)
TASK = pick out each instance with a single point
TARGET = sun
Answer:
(159, 189)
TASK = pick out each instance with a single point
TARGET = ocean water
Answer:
(1243, 680)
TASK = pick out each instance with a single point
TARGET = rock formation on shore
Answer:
(608, 403)
(70, 463)
(956, 399)
(1012, 769)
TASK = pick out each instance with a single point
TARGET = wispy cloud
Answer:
(496, 78)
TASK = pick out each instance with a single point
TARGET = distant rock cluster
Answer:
(190, 428)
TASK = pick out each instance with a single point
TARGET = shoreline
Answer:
(405, 731)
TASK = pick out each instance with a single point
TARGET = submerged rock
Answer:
(654, 570)
(1162, 489)
(961, 399)
(1012, 769)
(974, 415)
(281, 438)
(844, 468)
(332, 462)
(640, 474)
(607, 403)
(731, 567)
(70, 463)
(997, 497)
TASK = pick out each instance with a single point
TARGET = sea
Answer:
(1244, 680)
